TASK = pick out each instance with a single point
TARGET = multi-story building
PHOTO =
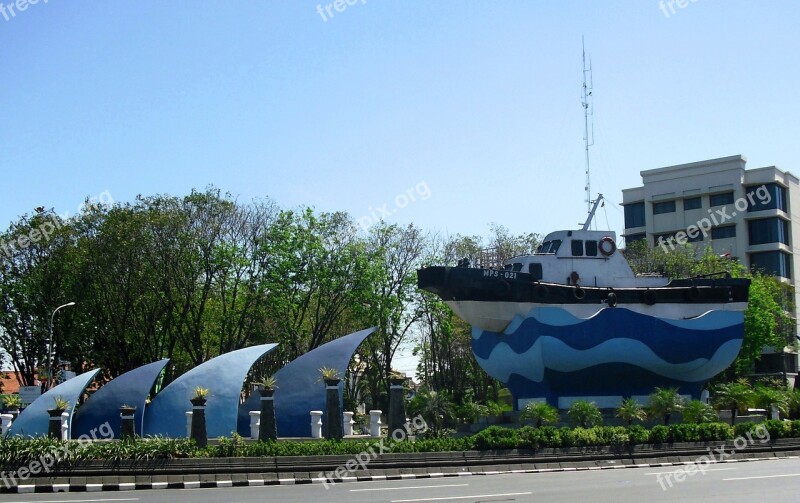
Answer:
(752, 215)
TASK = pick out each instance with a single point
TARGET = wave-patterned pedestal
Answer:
(552, 355)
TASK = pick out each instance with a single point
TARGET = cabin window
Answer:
(536, 271)
(555, 245)
(507, 267)
(577, 248)
(591, 248)
(517, 267)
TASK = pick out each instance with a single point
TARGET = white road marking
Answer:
(404, 488)
(464, 497)
(76, 501)
(766, 476)
(684, 469)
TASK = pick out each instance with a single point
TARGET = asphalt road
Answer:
(729, 482)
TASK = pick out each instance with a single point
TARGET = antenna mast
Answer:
(588, 109)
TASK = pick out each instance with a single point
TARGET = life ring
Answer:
(574, 277)
(650, 297)
(693, 293)
(611, 299)
(540, 292)
(607, 246)
(579, 293)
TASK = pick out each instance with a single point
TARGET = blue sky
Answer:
(477, 102)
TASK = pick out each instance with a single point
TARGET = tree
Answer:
(630, 411)
(540, 413)
(665, 402)
(772, 394)
(585, 414)
(736, 396)
(435, 408)
(696, 412)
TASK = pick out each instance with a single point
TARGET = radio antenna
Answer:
(588, 111)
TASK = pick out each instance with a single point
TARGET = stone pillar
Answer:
(6, 419)
(397, 406)
(774, 412)
(255, 417)
(65, 426)
(316, 424)
(127, 427)
(199, 433)
(188, 424)
(375, 423)
(268, 429)
(348, 423)
(333, 424)
(54, 426)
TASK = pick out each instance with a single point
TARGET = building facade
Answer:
(751, 215)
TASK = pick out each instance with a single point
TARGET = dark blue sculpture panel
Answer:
(223, 375)
(300, 389)
(131, 388)
(34, 419)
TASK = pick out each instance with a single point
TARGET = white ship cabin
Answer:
(581, 257)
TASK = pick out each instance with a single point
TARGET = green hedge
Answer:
(20, 451)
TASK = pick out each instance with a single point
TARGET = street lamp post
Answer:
(50, 344)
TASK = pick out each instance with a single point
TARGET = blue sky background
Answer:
(480, 101)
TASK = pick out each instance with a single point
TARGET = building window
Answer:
(721, 199)
(776, 263)
(769, 196)
(664, 207)
(577, 248)
(591, 248)
(768, 230)
(634, 215)
(632, 238)
(726, 231)
(692, 203)
(658, 239)
(698, 236)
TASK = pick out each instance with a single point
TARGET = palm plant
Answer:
(328, 373)
(697, 412)
(267, 382)
(630, 411)
(12, 402)
(60, 403)
(434, 407)
(585, 414)
(736, 396)
(665, 402)
(200, 393)
(794, 403)
(540, 413)
(767, 397)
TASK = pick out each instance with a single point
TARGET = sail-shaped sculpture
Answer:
(131, 388)
(33, 421)
(223, 376)
(299, 388)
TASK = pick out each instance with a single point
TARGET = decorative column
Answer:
(255, 417)
(268, 429)
(188, 424)
(54, 426)
(127, 428)
(199, 433)
(7, 419)
(375, 423)
(397, 406)
(65, 426)
(348, 423)
(333, 425)
(316, 424)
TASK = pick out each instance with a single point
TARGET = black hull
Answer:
(489, 285)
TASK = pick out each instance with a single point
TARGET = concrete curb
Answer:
(242, 480)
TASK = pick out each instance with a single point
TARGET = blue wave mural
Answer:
(618, 352)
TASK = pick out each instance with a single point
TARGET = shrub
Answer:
(496, 437)
(709, 432)
(540, 413)
(795, 429)
(585, 437)
(567, 436)
(777, 429)
(638, 434)
(683, 433)
(659, 434)
(585, 414)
